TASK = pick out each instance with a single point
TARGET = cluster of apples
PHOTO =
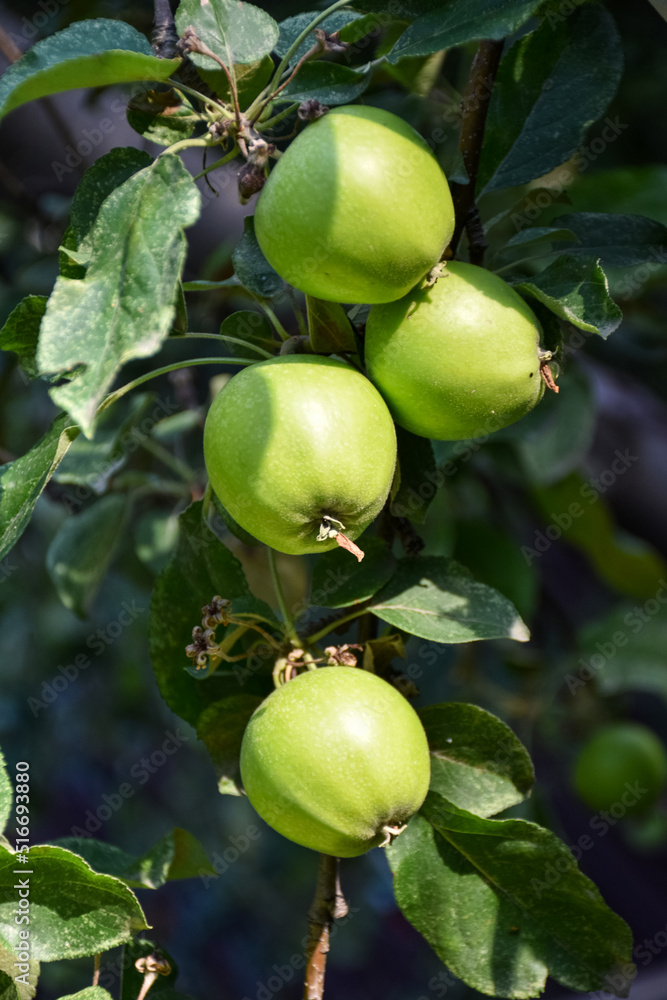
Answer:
(358, 210)
(301, 446)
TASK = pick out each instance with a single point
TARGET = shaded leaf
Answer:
(326, 82)
(21, 332)
(577, 509)
(177, 855)
(503, 904)
(494, 558)
(22, 481)
(616, 240)
(551, 86)
(163, 116)
(477, 762)
(200, 568)
(461, 21)
(625, 650)
(82, 550)
(416, 478)
(291, 28)
(254, 329)
(90, 53)
(437, 599)
(560, 431)
(124, 307)
(329, 327)
(92, 463)
(221, 727)
(339, 583)
(74, 912)
(577, 290)
(539, 235)
(251, 266)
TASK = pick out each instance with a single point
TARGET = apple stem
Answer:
(547, 376)
(328, 905)
(330, 528)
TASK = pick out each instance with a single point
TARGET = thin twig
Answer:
(192, 43)
(96, 968)
(474, 107)
(328, 905)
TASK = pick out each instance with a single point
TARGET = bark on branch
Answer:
(474, 106)
(328, 905)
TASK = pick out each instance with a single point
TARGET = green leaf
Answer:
(177, 855)
(437, 599)
(575, 289)
(338, 583)
(91, 53)
(237, 32)
(82, 550)
(22, 481)
(73, 911)
(253, 329)
(251, 266)
(163, 116)
(494, 558)
(221, 727)
(329, 327)
(121, 429)
(200, 568)
(459, 22)
(560, 431)
(251, 78)
(89, 993)
(21, 332)
(11, 988)
(551, 86)
(576, 509)
(539, 235)
(503, 904)
(124, 307)
(291, 28)
(6, 794)
(415, 479)
(477, 762)
(625, 651)
(328, 83)
(616, 240)
(156, 535)
(99, 181)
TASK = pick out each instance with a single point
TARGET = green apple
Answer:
(624, 764)
(297, 440)
(336, 760)
(357, 209)
(457, 360)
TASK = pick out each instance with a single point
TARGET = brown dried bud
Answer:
(311, 110)
(251, 179)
